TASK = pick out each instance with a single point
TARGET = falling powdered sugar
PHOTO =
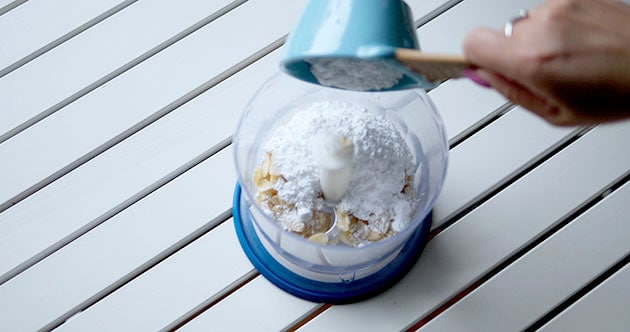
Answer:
(380, 196)
(355, 74)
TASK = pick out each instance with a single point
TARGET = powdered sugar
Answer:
(355, 74)
(379, 194)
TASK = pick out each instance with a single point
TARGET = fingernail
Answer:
(470, 73)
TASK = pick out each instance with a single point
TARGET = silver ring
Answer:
(509, 26)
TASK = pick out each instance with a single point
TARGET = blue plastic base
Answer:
(317, 291)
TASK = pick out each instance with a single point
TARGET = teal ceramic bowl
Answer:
(352, 29)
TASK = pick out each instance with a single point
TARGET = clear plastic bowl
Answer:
(414, 115)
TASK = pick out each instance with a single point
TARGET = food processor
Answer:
(325, 272)
(333, 271)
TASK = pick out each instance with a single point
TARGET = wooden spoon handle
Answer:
(435, 68)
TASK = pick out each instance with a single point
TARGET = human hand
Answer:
(568, 61)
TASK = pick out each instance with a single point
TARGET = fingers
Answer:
(564, 62)
(502, 66)
(472, 74)
(488, 48)
(524, 97)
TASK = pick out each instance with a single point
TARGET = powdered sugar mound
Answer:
(381, 167)
(355, 74)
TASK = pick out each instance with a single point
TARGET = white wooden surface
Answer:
(116, 182)
(38, 24)
(604, 309)
(97, 55)
(574, 255)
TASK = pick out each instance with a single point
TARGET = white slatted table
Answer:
(116, 181)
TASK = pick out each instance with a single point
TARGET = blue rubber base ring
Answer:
(326, 292)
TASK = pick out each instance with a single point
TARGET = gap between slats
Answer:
(436, 12)
(216, 298)
(567, 219)
(64, 38)
(483, 123)
(311, 314)
(11, 6)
